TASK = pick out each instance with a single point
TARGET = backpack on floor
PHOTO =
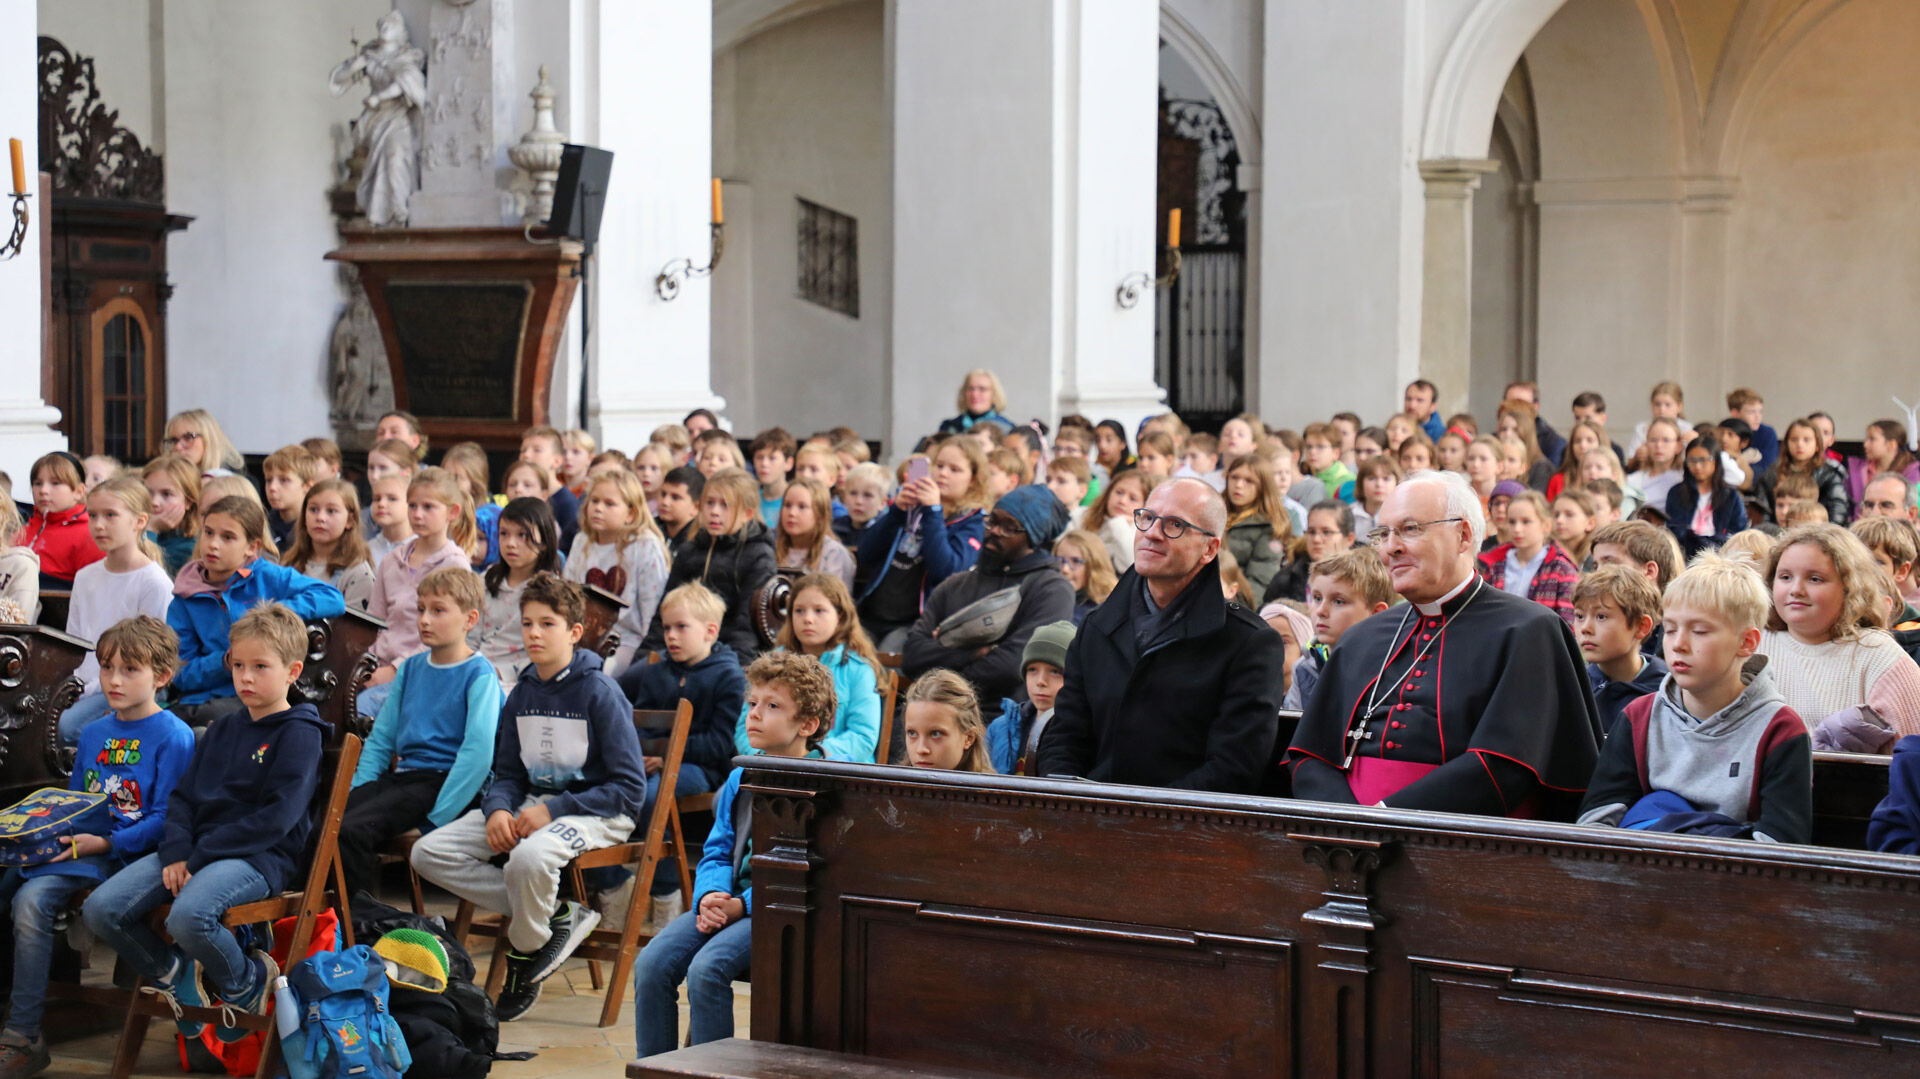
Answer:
(345, 1030)
(209, 1054)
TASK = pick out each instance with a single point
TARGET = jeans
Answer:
(84, 711)
(117, 913)
(709, 963)
(35, 905)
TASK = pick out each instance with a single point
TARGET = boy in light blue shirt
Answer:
(431, 748)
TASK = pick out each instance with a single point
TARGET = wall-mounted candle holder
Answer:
(667, 285)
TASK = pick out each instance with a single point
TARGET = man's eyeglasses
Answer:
(1411, 531)
(1172, 527)
(1003, 524)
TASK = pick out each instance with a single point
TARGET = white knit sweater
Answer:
(1820, 679)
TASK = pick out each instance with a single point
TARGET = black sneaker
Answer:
(570, 926)
(521, 990)
(20, 1057)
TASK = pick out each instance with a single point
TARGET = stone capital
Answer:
(1455, 177)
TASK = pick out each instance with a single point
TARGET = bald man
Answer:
(1167, 683)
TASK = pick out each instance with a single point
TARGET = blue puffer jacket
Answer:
(203, 615)
(946, 546)
(856, 717)
(1008, 733)
(723, 861)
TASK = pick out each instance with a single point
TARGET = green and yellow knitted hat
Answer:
(414, 959)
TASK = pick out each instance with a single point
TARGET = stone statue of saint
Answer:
(359, 382)
(388, 129)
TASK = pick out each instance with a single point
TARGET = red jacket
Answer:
(1552, 586)
(62, 541)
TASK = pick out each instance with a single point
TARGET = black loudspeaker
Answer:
(580, 194)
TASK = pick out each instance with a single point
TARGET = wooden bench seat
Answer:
(735, 1058)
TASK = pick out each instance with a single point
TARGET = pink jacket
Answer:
(396, 597)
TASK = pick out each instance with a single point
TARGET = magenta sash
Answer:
(1374, 778)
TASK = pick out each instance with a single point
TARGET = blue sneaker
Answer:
(252, 1002)
(185, 989)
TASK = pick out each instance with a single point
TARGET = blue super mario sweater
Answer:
(248, 794)
(136, 765)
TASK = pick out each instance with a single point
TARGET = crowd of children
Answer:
(1740, 598)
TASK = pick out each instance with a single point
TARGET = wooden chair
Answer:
(325, 886)
(889, 696)
(893, 662)
(643, 855)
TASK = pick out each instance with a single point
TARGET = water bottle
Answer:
(286, 1008)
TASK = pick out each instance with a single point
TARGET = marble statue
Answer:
(388, 128)
(359, 381)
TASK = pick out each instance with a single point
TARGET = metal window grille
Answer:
(829, 253)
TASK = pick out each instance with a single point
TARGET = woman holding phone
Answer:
(932, 531)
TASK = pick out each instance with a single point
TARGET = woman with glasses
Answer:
(196, 435)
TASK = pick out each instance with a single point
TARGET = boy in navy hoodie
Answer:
(135, 755)
(707, 673)
(790, 709)
(1614, 611)
(236, 827)
(567, 778)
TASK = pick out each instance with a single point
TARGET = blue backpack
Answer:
(344, 1027)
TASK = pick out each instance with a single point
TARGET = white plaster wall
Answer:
(800, 112)
(1824, 270)
(25, 431)
(118, 35)
(1495, 338)
(1342, 219)
(250, 154)
(1232, 29)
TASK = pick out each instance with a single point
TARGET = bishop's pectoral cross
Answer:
(1357, 737)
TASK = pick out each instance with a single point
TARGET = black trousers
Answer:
(392, 805)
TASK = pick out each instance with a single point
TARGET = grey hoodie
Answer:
(1751, 761)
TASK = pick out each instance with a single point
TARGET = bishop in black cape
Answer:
(1498, 707)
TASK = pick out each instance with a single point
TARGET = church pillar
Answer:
(1706, 210)
(24, 418)
(1340, 230)
(1446, 294)
(1024, 168)
(650, 68)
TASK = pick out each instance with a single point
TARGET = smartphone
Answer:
(917, 469)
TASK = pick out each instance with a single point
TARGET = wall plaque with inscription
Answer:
(460, 346)
(470, 318)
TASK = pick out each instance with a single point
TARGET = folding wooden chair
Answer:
(325, 886)
(889, 697)
(643, 855)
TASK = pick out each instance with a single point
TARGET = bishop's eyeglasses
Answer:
(1411, 531)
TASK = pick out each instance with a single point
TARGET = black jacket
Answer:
(1198, 710)
(1828, 479)
(1045, 596)
(732, 567)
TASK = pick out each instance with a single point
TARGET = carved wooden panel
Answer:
(903, 961)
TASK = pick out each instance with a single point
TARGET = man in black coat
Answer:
(1168, 684)
(1016, 553)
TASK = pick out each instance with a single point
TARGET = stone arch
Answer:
(1235, 104)
(1472, 73)
(735, 21)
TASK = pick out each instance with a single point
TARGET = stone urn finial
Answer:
(538, 153)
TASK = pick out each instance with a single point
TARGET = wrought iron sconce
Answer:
(1135, 284)
(667, 285)
(20, 218)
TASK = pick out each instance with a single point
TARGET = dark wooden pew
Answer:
(54, 605)
(36, 685)
(1846, 787)
(1032, 927)
(337, 666)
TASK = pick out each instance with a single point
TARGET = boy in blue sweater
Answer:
(706, 672)
(235, 830)
(790, 709)
(567, 778)
(135, 755)
(431, 746)
(1615, 608)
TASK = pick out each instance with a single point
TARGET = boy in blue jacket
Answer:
(431, 746)
(236, 827)
(228, 579)
(135, 755)
(567, 778)
(1044, 665)
(705, 671)
(790, 707)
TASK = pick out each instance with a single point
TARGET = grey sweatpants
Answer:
(458, 859)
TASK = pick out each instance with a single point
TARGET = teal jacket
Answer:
(856, 719)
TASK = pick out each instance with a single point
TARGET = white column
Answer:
(651, 72)
(1020, 201)
(1341, 223)
(1109, 88)
(1706, 215)
(24, 417)
(1446, 297)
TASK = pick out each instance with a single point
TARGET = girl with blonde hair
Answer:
(944, 725)
(619, 548)
(1086, 565)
